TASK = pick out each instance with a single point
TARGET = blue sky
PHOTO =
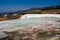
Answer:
(15, 5)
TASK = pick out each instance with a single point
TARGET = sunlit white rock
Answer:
(39, 15)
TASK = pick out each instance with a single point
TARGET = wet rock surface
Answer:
(43, 31)
(30, 30)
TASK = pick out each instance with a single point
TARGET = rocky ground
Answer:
(48, 30)
(44, 31)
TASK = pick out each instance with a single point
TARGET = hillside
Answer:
(41, 10)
